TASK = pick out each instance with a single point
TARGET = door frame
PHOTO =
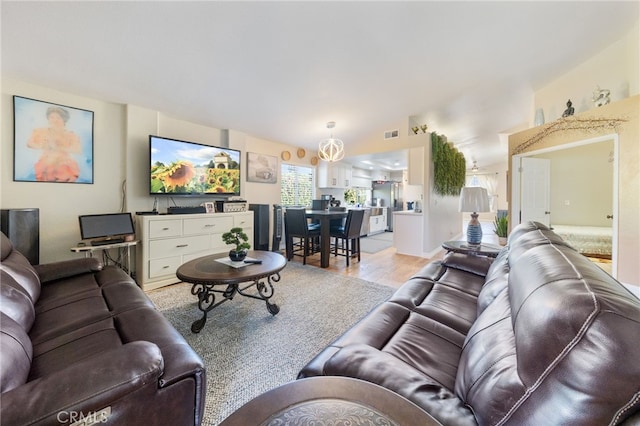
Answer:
(516, 186)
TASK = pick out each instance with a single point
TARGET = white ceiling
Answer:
(282, 70)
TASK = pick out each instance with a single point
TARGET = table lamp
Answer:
(474, 199)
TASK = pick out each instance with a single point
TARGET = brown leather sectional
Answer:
(538, 336)
(79, 340)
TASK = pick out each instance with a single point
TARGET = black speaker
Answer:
(260, 226)
(22, 227)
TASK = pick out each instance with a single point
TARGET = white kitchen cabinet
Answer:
(377, 224)
(166, 242)
(334, 175)
(407, 232)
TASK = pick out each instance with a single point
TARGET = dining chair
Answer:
(296, 226)
(348, 236)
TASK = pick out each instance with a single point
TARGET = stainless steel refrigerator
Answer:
(389, 195)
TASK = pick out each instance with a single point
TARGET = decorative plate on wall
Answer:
(301, 153)
(314, 161)
(286, 155)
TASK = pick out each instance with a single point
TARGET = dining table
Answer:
(324, 217)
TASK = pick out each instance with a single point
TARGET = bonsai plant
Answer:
(238, 238)
(501, 227)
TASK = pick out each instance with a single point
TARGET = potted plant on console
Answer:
(238, 238)
(501, 227)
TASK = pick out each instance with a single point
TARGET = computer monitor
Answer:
(107, 227)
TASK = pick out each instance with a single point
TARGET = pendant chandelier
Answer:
(331, 149)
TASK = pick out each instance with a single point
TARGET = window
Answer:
(297, 185)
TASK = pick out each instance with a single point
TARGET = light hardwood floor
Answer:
(384, 267)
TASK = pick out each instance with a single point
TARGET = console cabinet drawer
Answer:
(243, 222)
(208, 225)
(163, 267)
(178, 246)
(165, 228)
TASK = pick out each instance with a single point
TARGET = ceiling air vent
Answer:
(391, 134)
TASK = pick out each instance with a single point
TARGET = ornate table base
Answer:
(214, 274)
(207, 298)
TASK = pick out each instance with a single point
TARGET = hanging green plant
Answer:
(449, 166)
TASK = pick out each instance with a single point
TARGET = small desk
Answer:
(329, 400)
(125, 247)
(488, 250)
(205, 273)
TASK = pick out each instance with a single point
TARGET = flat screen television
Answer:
(188, 168)
(106, 227)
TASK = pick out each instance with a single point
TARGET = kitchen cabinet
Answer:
(407, 232)
(334, 175)
(378, 223)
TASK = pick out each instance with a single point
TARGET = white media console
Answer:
(168, 241)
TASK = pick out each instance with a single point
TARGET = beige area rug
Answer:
(247, 351)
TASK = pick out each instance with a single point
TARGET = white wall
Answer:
(60, 204)
(616, 68)
(121, 166)
(582, 183)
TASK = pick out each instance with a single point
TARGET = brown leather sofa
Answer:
(540, 336)
(81, 341)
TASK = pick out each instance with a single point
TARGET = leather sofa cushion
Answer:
(496, 281)
(19, 268)
(386, 370)
(555, 347)
(16, 303)
(16, 354)
(69, 304)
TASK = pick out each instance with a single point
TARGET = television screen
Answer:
(105, 225)
(189, 168)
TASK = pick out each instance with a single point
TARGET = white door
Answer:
(535, 181)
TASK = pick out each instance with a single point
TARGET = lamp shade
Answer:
(474, 199)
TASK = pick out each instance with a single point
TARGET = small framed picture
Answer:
(262, 168)
(210, 207)
(52, 143)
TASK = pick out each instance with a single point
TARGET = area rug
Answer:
(247, 351)
(375, 243)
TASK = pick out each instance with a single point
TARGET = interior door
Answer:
(535, 186)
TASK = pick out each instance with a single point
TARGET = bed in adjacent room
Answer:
(591, 241)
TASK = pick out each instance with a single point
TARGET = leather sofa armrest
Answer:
(478, 265)
(67, 268)
(86, 387)
(372, 365)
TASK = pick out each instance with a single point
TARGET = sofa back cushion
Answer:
(557, 346)
(15, 302)
(18, 267)
(16, 354)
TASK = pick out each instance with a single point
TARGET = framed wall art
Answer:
(51, 142)
(262, 168)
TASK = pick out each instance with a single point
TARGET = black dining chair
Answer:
(347, 237)
(300, 234)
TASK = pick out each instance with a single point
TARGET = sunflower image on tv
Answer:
(184, 177)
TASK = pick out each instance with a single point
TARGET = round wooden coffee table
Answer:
(329, 401)
(209, 273)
